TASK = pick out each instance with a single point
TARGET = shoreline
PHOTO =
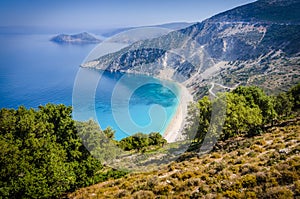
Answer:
(174, 129)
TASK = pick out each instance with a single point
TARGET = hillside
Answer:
(254, 44)
(256, 154)
(264, 166)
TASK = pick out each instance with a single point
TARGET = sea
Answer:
(35, 71)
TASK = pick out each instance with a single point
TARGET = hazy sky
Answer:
(108, 13)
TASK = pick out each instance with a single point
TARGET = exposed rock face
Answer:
(257, 40)
(81, 38)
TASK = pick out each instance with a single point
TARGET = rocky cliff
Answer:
(258, 44)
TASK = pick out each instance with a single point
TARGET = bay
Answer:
(35, 71)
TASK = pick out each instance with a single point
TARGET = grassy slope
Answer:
(265, 166)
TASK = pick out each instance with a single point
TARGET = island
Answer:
(80, 38)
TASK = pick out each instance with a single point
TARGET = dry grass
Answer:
(265, 166)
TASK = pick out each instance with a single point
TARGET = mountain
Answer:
(81, 38)
(254, 44)
(172, 26)
(278, 11)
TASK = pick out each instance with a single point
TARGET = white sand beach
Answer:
(174, 129)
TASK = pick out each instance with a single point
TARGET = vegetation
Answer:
(141, 141)
(248, 111)
(262, 166)
(257, 156)
(46, 154)
(42, 155)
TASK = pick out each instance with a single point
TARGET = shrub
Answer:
(239, 161)
(215, 156)
(261, 178)
(152, 182)
(297, 188)
(249, 180)
(162, 189)
(204, 177)
(143, 195)
(122, 193)
(278, 192)
(194, 182)
(249, 194)
(232, 194)
(287, 177)
(251, 154)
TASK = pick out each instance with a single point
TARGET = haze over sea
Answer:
(35, 71)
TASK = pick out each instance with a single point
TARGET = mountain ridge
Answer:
(235, 40)
(275, 11)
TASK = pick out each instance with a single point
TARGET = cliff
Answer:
(254, 44)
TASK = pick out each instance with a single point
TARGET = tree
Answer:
(295, 93)
(110, 133)
(156, 139)
(240, 116)
(139, 141)
(42, 155)
(256, 96)
(283, 104)
(204, 107)
(192, 118)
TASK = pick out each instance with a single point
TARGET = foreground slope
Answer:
(264, 166)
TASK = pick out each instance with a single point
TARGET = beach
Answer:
(175, 127)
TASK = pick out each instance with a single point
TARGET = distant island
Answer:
(80, 38)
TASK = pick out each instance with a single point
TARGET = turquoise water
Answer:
(34, 71)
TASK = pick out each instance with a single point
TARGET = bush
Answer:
(297, 188)
(249, 181)
(232, 194)
(143, 195)
(42, 154)
(162, 189)
(278, 192)
(249, 194)
(187, 175)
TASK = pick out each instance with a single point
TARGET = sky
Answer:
(108, 13)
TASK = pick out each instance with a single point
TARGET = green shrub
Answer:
(215, 155)
(249, 181)
(187, 175)
(232, 194)
(162, 189)
(249, 194)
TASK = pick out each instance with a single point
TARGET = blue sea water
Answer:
(35, 71)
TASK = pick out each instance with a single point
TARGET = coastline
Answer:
(176, 125)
